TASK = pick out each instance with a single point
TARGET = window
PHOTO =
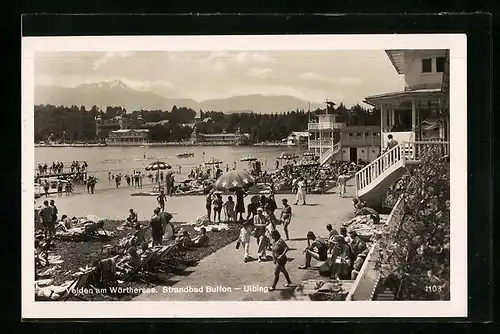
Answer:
(375, 133)
(367, 134)
(426, 65)
(358, 134)
(440, 64)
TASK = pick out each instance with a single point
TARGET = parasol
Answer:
(309, 154)
(213, 161)
(287, 156)
(248, 159)
(234, 179)
(157, 165)
(307, 163)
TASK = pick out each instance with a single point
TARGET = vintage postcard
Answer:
(244, 176)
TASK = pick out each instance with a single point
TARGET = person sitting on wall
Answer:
(316, 249)
(358, 263)
(132, 218)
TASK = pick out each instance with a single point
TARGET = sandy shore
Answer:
(225, 267)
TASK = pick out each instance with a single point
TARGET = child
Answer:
(217, 202)
(229, 209)
(244, 239)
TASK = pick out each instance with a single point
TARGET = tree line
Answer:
(79, 124)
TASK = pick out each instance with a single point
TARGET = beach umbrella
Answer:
(307, 164)
(248, 159)
(234, 179)
(287, 156)
(213, 161)
(309, 154)
(157, 165)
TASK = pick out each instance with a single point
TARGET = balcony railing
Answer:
(322, 142)
(325, 126)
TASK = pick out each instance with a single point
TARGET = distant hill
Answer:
(117, 93)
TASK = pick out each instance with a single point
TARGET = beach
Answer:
(222, 275)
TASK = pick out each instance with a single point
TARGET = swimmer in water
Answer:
(144, 155)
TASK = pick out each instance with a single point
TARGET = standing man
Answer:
(156, 227)
(46, 218)
(54, 210)
(342, 182)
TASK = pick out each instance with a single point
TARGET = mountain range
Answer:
(117, 93)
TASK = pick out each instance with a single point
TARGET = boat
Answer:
(185, 155)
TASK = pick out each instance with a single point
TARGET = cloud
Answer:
(245, 57)
(145, 85)
(219, 66)
(260, 72)
(315, 77)
(351, 81)
(97, 64)
(318, 77)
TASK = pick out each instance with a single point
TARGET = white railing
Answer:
(404, 151)
(329, 153)
(318, 143)
(367, 281)
(325, 126)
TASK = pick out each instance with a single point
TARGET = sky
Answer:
(340, 76)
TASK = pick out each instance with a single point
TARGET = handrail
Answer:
(329, 153)
(403, 151)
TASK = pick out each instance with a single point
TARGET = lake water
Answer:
(118, 159)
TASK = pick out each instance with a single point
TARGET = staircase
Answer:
(374, 179)
(328, 154)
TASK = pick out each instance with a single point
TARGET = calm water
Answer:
(102, 160)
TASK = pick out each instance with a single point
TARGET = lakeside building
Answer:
(127, 137)
(297, 138)
(236, 138)
(417, 117)
(120, 133)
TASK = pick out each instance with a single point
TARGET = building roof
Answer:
(360, 128)
(221, 134)
(156, 123)
(300, 134)
(130, 130)
(397, 58)
(207, 119)
(416, 92)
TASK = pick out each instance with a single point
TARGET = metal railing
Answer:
(329, 153)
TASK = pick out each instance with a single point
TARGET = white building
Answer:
(297, 138)
(418, 117)
(424, 98)
(127, 137)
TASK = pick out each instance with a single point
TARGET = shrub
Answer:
(416, 254)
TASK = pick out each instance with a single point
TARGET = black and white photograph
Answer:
(249, 170)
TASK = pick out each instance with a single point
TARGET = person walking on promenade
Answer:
(301, 191)
(279, 256)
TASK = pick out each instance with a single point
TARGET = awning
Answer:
(397, 58)
(398, 97)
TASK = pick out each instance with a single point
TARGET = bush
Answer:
(416, 254)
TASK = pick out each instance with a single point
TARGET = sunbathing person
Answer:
(358, 263)
(201, 240)
(317, 249)
(184, 240)
(130, 262)
(132, 218)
